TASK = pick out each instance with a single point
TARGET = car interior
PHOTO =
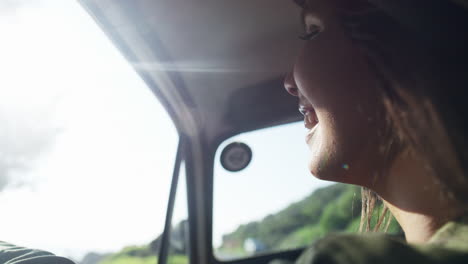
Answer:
(212, 130)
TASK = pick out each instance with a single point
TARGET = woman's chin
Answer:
(318, 168)
(328, 169)
(332, 159)
(321, 161)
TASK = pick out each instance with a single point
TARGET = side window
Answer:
(275, 204)
(179, 235)
(178, 242)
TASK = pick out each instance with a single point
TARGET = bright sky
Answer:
(102, 180)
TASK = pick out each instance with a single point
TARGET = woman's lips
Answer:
(310, 121)
(310, 118)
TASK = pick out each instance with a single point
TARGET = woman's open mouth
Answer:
(310, 121)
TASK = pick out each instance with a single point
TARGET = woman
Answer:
(381, 84)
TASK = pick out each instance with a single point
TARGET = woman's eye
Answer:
(311, 33)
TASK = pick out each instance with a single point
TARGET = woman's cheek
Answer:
(319, 73)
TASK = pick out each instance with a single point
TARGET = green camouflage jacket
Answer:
(448, 245)
(11, 254)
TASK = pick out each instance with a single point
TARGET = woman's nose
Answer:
(290, 84)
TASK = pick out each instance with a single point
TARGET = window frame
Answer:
(165, 243)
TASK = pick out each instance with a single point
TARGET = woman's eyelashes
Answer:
(312, 32)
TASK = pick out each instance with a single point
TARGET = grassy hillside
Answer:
(335, 208)
(140, 255)
(143, 260)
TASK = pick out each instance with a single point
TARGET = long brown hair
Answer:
(420, 55)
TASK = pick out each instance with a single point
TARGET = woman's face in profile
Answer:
(338, 97)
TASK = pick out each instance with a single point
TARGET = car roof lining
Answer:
(215, 65)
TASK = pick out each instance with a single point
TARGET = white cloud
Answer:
(12, 6)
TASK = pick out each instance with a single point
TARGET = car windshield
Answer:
(87, 151)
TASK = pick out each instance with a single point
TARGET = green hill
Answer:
(335, 208)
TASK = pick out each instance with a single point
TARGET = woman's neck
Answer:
(416, 199)
(418, 228)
